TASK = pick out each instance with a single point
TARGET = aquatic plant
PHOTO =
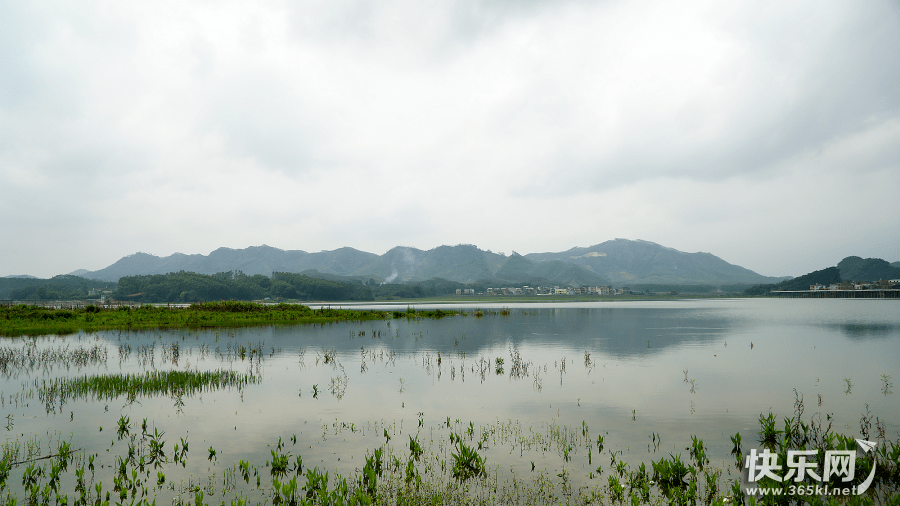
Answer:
(736, 440)
(670, 472)
(768, 434)
(415, 449)
(698, 452)
(123, 429)
(467, 463)
(279, 462)
(157, 454)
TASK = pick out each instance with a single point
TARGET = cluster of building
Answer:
(882, 284)
(104, 293)
(545, 290)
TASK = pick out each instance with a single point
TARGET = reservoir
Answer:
(532, 387)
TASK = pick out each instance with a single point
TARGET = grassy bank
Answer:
(33, 320)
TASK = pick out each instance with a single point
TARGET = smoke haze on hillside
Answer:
(762, 132)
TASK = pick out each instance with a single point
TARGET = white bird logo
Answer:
(866, 447)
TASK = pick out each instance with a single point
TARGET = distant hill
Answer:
(869, 269)
(623, 261)
(519, 270)
(464, 263)
(822, 277)
(615, 262)
(849, 269)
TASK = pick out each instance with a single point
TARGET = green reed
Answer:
(152, 383)
(18, 320)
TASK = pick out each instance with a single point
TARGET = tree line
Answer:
(61, 287)
(186, 286)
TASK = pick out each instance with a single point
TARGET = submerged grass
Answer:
(18, 320)
(104, 387)
(29, 357)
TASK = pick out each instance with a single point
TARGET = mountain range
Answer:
(616, 262)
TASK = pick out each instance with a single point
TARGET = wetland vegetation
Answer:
(442, 464)
(106, 387)
(35, 320)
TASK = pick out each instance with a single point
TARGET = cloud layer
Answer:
(764, 133)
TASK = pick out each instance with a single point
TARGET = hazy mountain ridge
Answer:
(252, 260)
(626, 261)
(464, 263)
(528, 272)
(617, 262)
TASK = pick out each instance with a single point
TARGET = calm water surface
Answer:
(627, 371)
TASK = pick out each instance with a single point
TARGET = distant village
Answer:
(881, 289)
(105, 294)
(543, 290)
(882, 284)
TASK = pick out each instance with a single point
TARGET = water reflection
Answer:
(865, 331)
(616, 332)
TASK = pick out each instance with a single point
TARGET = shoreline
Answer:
(19, 320)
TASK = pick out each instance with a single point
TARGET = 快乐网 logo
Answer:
(802, 467)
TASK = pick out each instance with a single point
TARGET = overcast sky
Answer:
(764, 132)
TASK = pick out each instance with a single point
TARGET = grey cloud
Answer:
(50, 124)
(792, 97)
(424, 32)
(418, 113)
(262, 117)
(27, 81)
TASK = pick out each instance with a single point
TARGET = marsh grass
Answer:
(19, 320)
(58, 391)
(28, 358)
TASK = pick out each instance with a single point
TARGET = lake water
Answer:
(643, 375)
